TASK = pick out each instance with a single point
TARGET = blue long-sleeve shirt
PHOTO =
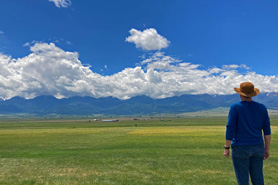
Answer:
(246, 121)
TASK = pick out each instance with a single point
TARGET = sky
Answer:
(124, 48)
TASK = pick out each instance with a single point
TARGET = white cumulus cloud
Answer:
(49, 70)
(61, 3)
(235, 66)
(148, 39)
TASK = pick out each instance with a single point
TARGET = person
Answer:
(246, 121)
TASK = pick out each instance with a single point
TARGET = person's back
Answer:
(247, 119)
(253, 118)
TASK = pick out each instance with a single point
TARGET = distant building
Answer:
(110, 120)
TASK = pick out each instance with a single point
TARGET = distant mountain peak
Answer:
(139, 105)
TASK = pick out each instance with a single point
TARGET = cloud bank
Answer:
(148, 39)
(61, 3)
(49, 70)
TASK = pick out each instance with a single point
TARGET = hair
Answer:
(246, 96)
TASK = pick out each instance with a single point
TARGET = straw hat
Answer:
(247, 89)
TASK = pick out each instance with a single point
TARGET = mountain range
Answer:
(140, 105)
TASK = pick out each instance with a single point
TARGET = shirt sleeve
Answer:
(231, 125)
(266, 125)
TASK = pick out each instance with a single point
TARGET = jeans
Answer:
(248, 160)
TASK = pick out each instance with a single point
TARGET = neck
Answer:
(243, 98)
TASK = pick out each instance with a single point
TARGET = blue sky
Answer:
(109, 41)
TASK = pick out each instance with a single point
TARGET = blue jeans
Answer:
(248, 160)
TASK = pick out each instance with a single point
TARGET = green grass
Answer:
(157, 151)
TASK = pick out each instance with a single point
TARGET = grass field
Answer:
(158, 151)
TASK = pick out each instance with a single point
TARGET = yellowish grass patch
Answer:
(274, 129)
(177, 131)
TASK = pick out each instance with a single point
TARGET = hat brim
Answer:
(251, 94)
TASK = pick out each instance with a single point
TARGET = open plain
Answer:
(132, 151)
